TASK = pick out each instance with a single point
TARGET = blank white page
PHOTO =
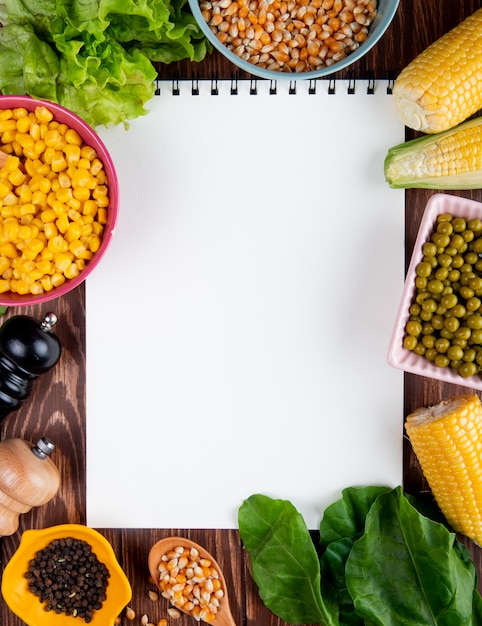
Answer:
(237, 329)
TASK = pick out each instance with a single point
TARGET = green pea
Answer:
(467, 271)
(431, 260)
(459, 224)
(409, 342)
(429, 249)
(453, 275)
(419, 349)
(458, 310)
(463, 332)
(455, 353)
(451, 324)
(466, 370)
(429, 305)
(473, 304)
(413, 328)
(459, 342)
(421, 282)
(442, 345)
(466, 292)
(476, 283)
(451, 251)
(431, 354)
(435, 286)
(468, 235)
(458, 261)
(441, 273)
(438, 321)
(476, 337)
(449, 300)
(427, 328)
(477, 245)
(475, 225)
(444, 260)
(426, 316)
(471, 258)
(442, 360)
(474, 321)
(445, 228)
(441, 240)
(446, 334)
(447, 289)
(420, 297)
(469, 355)
(415, 309)
(428, 341)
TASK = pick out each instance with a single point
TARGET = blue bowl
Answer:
(385, 13)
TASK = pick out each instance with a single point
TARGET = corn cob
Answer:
(447, 440)
(448, 160)
(441, 87)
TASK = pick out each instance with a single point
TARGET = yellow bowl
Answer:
(28, 607)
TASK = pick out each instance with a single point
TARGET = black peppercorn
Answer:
(68, 577)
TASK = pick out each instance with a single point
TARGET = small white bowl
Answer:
(398, 356)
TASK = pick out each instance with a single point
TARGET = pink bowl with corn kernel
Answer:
(106, 215)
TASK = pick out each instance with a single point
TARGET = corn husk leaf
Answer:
(415, 163)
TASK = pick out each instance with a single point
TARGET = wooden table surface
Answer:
(57, 405)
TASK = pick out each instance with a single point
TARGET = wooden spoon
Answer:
(223, 617)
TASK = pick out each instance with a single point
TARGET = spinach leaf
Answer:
(404, 569)
(284, 562)
(346, 517)
(342, 524)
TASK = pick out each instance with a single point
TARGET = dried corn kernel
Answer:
(275, 35)
(188, 582)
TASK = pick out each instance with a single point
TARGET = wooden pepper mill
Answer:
(28, 348)
(28, 478)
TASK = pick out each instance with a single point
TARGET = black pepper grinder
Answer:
(28, 349)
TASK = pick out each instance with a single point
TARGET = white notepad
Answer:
(237, 329)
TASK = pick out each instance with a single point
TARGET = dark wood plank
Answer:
(57, 406)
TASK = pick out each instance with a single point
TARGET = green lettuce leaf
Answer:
(95, 57)
(284, 562)
(404, 569)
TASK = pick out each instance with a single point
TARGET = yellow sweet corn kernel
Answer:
(72, 154)
(447, 440)
(57, 279)
(4, 285)
(7, 249)
(57, 245)
(49, 215)
(19, 112)
(5, 187)
(73, 138)
(63, 262)
(63, 223)
(43, 114)
(10, 229)
(4, 264)
(46, 283)
(441, 87)
(8, 125)
(73, 232)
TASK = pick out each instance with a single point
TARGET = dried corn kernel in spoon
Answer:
(190, 582)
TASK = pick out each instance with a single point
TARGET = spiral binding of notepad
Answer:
(350, 83)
